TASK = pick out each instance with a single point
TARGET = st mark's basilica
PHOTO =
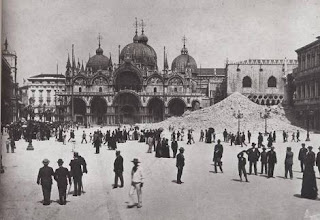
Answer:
(135, 90)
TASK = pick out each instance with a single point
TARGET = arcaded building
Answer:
(134, 90)
(261, 80)
(307, 84)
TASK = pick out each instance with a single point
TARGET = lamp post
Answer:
(309, 113)
(238, 116)
(265, 116)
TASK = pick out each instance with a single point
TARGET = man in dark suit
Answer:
(264, 160)
(174, 147)
(217, 156)
(302, 155)
(253, 157)
(61, 175)
(288, 162)
(78, 166)
(318, 160)
(272, 160)
(45, 179)
(180, 164)
(118, 170)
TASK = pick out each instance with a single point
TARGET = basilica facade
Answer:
(135, 90)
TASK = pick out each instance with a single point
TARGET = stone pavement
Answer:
(203, 195)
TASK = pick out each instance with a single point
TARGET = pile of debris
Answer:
(223, 116)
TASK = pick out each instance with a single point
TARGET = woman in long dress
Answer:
(309, 184)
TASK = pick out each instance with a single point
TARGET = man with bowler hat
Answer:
(136, 183)
(118, 170)
(272, 160)
(62, 176)
(302, 155)
(253, 157)
(78, 166)
(180, 164)
(45, 179)
(217, 156)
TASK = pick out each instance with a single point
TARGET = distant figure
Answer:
(249, 136)
(298, 135)
(309, 184)
(180, 164)
(118, 170)
(288, 163)
(260, 140)
(242, 166)
(293, 139)
(45, 179)
(274, 136)
(217, 156)
(84, 137)
(225, 135)
(302, 154)
(272, 160)
(62, 176)
(201, 136)
(136, 183)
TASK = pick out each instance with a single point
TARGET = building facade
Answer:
(9, 86)
(134, 90)
(261, 80)
(40, 96)
(307, 84)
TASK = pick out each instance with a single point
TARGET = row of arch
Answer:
(128, 78)
(266, 99)
(247, 82)
(128, 107)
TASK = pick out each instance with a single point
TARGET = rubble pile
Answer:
(222, 115)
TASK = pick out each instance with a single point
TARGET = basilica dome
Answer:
(98, 61)
(182, 61)
(140, 52)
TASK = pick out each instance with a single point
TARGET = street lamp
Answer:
(309, 113)
(265, 116)
(238, 116)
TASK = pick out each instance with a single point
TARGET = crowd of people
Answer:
(157, 142)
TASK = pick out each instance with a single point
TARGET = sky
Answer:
(41, 32)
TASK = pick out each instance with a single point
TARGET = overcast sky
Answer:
(42, 31)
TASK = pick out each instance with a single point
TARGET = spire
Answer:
(68, 62)
(79, 65)
(99, 39)
(99, 51)
(136, 38)
(165, 63)
(142, 26)
(184, 50)
(82, 67)
(73, 59)
(110, 61)
(119, 54)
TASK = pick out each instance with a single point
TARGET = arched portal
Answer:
(156, 109)
(128, 80)
(98, 110)
(127, 108)
(176, 107)
(79, 109)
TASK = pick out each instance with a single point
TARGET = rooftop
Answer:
(211, 71)
(316, 42)
(48, 76)
(266, 62)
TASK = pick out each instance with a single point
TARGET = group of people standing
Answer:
(62, 176)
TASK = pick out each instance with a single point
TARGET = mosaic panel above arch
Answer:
(100, 81)
(176, 81)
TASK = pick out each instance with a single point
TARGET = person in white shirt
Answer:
(136, 183)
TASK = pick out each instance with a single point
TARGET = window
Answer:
(246, 82)
(272, 82)
(100, 89)
(175, 89)
(154, 89)
(80, 89)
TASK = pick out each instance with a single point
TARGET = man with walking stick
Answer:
(61, 176)
(78, 167)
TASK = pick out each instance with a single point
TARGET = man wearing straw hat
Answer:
(45, 179)
(136, 183)
(61, 175)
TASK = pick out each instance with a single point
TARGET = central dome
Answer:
(140, 52)
(98, 61)
(181, 62)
